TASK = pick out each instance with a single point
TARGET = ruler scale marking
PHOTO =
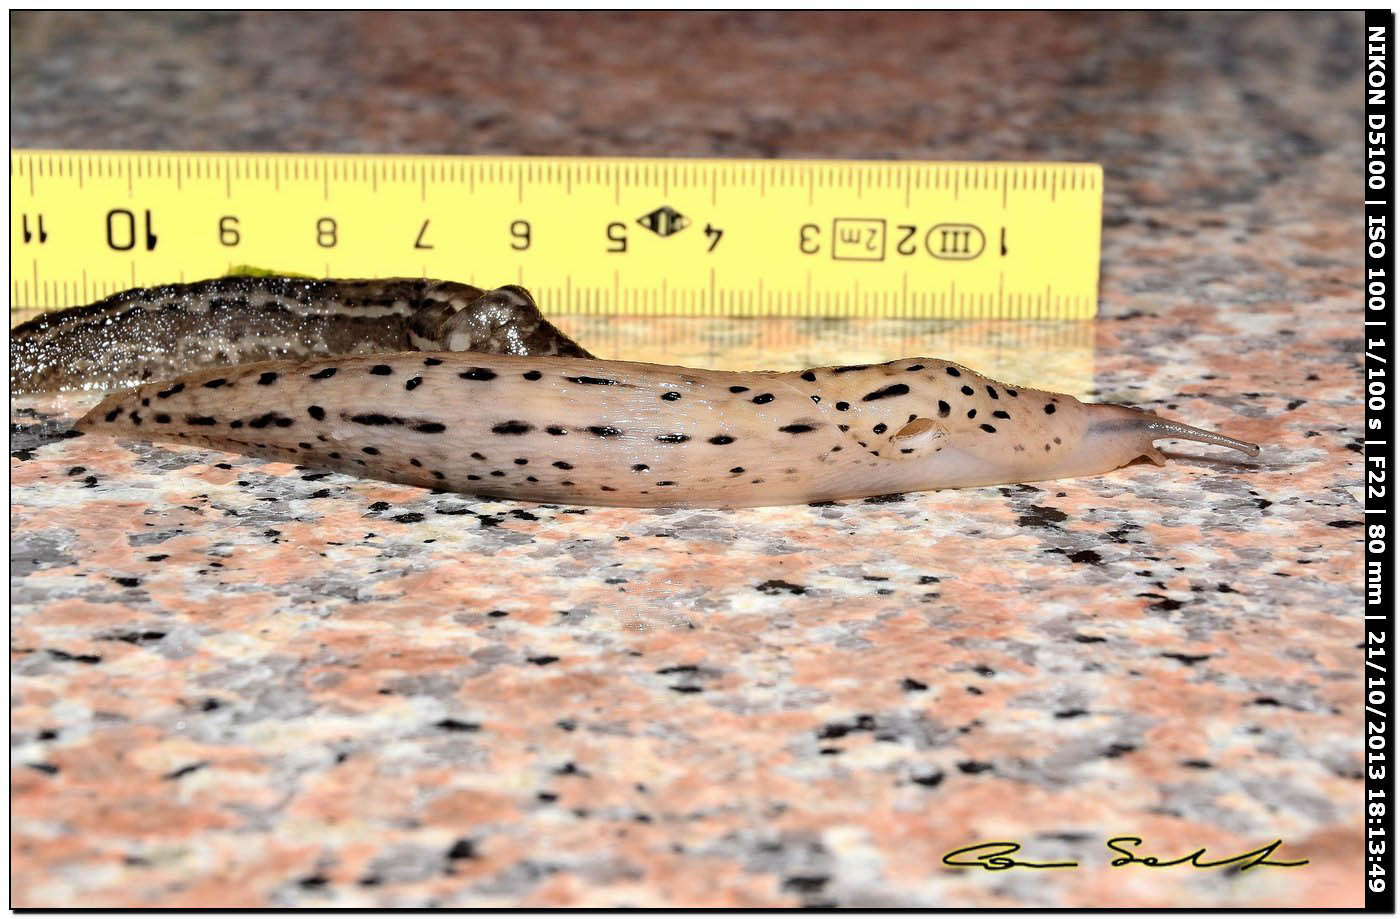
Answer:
(876, 241)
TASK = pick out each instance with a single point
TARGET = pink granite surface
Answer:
(242, 683)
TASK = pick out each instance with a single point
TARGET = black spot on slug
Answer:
(592, 381)
(381, 370)
(737, 470)
(532, 375)
(372, 451)
(880, 428)
(236, 423)
(1012, 393)
(473, 478)
(989, 429)
(415, 461)
(112, 415)
(267, 378)
(412, 383)
(555, 430)
(796, 428)
(898, 389)
(671, 396)
(672, 438)
(431, 361)
(843, 406)
(641, 467)
(972, 413)
(200, 420)
(991, 391)
(512, 427)
(952, 371)
(373, 419)
(849, 367)
(560, 464)
(167, 393)
(599, 430)
(913, 367)
(478, 373)
(764, 399)
(162, 418)
(967, 390)
(431, 427)
(1049, 409)
(215, 383)
(521, 461)
(943, 409)
(721, 439)
(324, 374)
(498, 473)
(478, 456)
(809, 376)
(666, 482)
(1002, 415)
(738, 389)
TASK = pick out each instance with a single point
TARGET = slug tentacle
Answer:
(1161, 427)
(1107, 420)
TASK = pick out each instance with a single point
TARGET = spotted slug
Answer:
(156, 333)
(585, 431)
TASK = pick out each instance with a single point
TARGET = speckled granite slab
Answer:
(240, 683)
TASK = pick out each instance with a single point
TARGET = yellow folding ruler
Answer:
(690, 237)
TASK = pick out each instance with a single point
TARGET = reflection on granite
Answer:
(246, 683)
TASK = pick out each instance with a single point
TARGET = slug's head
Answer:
(458, 317)
(1114, 435)
(1075, 440)
(1108, 421)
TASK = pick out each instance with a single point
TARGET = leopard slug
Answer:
(156, 333)
(584, 431)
